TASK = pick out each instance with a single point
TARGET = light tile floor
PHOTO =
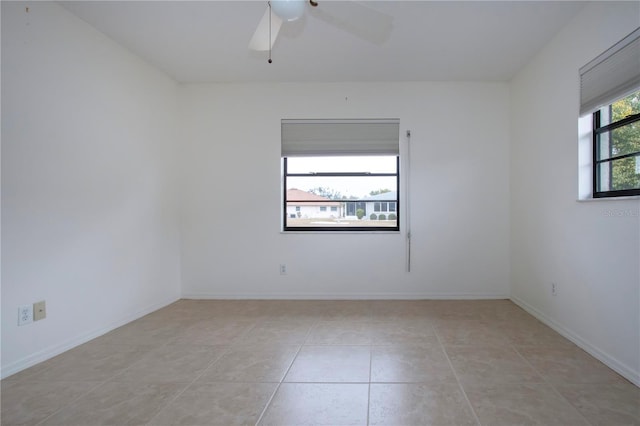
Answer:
(324, 362)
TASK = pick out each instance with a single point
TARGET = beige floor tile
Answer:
(486, 309)
(407, 364)
(505, 310)
(533, 334)
(85, 352)
(403, 332)
(330, 364)
(302, 310)
(213, 332)
(510, 326)
(521, 404)
(491, 365)
(318, 404)
(419, 404)
(282, 331)
(570, 365)
(217, 404)
(144, 332)
(353, 310)
(459, 309)
(340, 333)
(92, 362)
(178, 319)
(389, 310)
(252, 364)
(191, 310)
(250, 308)
(27, 403)
(117, 404)
(174, 310)
(469, 333)
(605, 405)
(101, 343)
(172, 364)
(514, 369)
(31, 372)
(208, 309)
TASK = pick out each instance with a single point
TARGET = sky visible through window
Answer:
(348, 187)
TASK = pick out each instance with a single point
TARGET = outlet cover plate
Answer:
(25, 314)
(39, 310)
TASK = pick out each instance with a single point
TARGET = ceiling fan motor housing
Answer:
(288, 10)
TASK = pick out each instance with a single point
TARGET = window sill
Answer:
(342, 232)
(630, 198)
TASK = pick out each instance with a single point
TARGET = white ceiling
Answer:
(207, 41)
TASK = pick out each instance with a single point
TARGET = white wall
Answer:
(459, 193)
(592, 254)
(88, 200)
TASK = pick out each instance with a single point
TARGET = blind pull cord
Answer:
(408, 198)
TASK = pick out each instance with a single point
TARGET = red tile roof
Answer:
(294, 194)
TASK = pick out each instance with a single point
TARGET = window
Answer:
(384, 207)
(610, 94)
(348, 167)
(616, 148)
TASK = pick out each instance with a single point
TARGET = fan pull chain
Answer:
(269, 33)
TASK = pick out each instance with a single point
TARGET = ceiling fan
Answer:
(353, 17)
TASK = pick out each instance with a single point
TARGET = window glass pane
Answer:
(339, 187)
(619, 174)
(620, 141)
(348, 214)
(620, 109)
(341, 200)
(372, 164)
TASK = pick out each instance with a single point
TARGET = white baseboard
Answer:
(624, 370)
(54, 350)
(344, 296)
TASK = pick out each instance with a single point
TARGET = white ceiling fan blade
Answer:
(260, 39)
(356, 18)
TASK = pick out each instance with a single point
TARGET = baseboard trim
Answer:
(50, 352)
(610, 361)
(344, 296)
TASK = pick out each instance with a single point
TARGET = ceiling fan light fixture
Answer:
(288, 10)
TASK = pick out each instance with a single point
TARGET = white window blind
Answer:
(340, 137)
(612, 75)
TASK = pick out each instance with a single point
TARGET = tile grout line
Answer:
(553, 387)
(275, 391)
(216, 359)
(369, 392)
(570, 404)
(99, 384)
(455, 374)
(72, 402)
(142, 358)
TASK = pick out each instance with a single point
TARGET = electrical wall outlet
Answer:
(25, 314)
(554, 289)
(283, 269)
(39, 310)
